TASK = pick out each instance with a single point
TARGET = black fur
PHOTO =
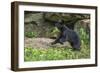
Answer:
(67, 34)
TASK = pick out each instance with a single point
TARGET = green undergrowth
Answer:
(35, 54)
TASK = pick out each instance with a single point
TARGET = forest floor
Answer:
(43, 43)
(40, 49)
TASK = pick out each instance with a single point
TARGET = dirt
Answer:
(42, 43)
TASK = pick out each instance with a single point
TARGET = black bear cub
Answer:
(67, 34)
